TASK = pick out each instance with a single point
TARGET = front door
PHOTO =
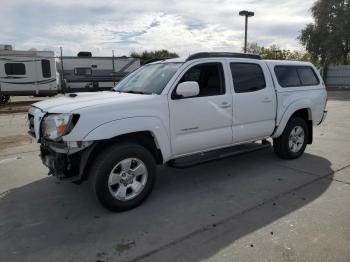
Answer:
(203, 122)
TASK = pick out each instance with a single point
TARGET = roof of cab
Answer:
(202, 55)
(230, 55)
(174, 60)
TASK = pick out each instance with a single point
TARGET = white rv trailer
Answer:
(87, 73)
(27, 73)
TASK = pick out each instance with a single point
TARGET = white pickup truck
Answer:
(172, 109)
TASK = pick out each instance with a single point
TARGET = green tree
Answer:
(328, 38)
(157, 54)
(273, 52)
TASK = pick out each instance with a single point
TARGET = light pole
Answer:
(276, 51)
(246, 14)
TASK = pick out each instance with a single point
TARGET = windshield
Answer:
(149, 79)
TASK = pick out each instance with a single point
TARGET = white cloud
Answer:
(181, 26)
(173, 33)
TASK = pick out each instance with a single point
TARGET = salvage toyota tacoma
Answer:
(172, 109)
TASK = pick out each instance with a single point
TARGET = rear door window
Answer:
(247, 77)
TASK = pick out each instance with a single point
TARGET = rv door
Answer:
(46, 83)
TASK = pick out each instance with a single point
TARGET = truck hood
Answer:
(72, 102)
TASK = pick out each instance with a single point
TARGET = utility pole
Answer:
(63, 86)
(246, 14)
(113, 68)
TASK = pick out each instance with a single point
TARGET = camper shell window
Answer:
(82, 71)
(15, 69)
(296, 76)
(46, 69)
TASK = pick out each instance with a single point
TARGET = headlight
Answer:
(57, 125)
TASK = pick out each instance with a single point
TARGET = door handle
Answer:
(225, 105)
(267, 100)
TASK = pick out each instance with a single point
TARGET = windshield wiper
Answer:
(135, 92)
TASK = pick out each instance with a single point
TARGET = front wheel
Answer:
(292, 143)
(123, 176)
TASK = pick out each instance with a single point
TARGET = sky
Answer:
(184, 27)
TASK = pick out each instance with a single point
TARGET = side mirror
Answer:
(188, 89)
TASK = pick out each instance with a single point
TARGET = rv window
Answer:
(45, 65)
(15, 69)
(82, 71)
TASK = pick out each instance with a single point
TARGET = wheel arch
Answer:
(143, 138)
(122, 127)
(303, 112)
(146, 131)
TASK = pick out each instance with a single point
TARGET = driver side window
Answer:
(209, 76)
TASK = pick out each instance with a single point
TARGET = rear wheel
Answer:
(4, 98)
(292, 143)
(123, 176)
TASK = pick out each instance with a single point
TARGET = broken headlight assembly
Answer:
(54, 126)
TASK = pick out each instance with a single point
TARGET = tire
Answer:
(4, 99)
(292, 143)
(123, 189)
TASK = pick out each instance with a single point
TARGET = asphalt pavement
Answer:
(252, 207)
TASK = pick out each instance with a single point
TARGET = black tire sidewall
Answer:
(4, 98)
(106, 161)
(296, 121)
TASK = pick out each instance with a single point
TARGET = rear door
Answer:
(254, 100)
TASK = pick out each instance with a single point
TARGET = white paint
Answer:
(191, 125)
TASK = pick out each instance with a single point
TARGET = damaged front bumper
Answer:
(65, 159)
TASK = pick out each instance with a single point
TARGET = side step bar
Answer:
(197, 159)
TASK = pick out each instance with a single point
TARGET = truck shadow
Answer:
(241, 194)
